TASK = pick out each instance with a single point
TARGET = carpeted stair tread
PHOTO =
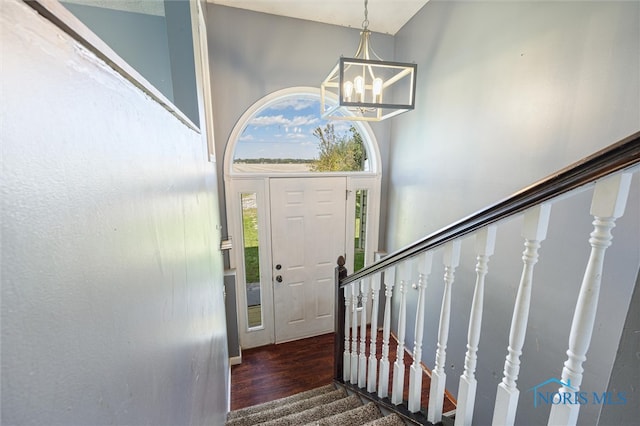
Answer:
(287, 409)
(314, 414)
(356, 417)
(390, 420)
(281, 401)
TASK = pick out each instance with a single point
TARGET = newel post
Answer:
(339, 307)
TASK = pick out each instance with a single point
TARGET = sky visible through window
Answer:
(284, 130)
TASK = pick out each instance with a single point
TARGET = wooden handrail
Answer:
(614, 158)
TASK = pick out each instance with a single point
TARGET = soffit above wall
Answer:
(385, 16)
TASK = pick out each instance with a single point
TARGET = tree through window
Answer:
(338, 153)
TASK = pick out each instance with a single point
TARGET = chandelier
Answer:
(363, 84)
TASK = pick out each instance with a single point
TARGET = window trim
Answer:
(369, 138)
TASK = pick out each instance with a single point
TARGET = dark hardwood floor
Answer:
(275, 371)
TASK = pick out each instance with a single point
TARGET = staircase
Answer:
(372, 385)
(395, 288)
(327, 405)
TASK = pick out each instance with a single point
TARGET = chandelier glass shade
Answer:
(368, 88)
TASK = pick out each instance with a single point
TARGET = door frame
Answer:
(236, 183)
(265, 334)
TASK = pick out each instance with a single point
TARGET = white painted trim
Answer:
(203, 75)
(229, 389)
(71, 25)
(257, 336)
(373, 186)
(236, 360)
(235, 183)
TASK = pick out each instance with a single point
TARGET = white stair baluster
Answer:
(608, 204)
(373, 361)
(383, 377)
(362, 362)
(346, 355)
(415, 375)
(536, 221)
(404, 272)
(354, 334)
(485, 243)
(438, 376)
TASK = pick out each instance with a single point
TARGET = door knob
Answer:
(279, 278)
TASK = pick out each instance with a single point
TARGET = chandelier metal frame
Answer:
(363, 86)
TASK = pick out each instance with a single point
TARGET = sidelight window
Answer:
(251, 244)
(360, 227)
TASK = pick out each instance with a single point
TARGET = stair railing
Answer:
(609, 171)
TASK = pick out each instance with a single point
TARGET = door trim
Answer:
(265, 334)
(236, 182)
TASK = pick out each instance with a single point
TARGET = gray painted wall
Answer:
(166, 41)
(128, 34)
(509, 92)
(233, 340)
(112, 283)
(254, 54)
(626, 369)
(180, 42)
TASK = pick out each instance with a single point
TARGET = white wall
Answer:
(112, 292)
(509, 92)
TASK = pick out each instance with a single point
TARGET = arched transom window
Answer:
(288, 135)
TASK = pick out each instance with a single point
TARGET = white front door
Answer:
(307, 236)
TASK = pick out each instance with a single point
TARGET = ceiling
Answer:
(385, 16)
(148, 7)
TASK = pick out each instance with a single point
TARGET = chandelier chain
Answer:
(365, 23)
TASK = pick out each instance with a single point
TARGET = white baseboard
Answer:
(235, 360)
(229, 391)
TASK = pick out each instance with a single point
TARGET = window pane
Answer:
(290, 136)
(250, 243)
(360, 229)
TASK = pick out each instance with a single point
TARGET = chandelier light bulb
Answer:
(348, 90)
(377, 89)
(359, 86)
